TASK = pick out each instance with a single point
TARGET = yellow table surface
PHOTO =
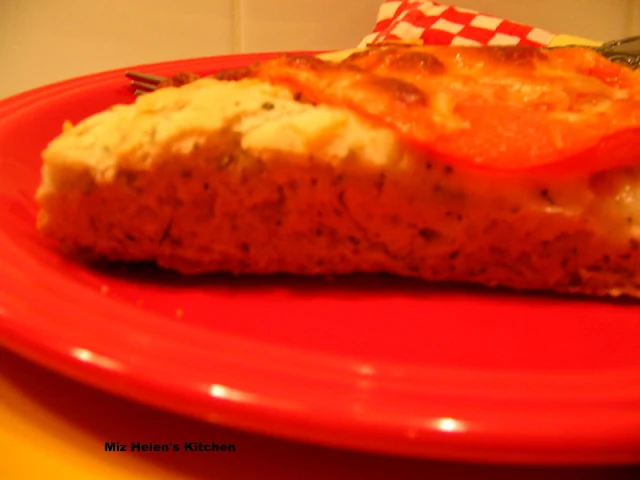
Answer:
(54, 428)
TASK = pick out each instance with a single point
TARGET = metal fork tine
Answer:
(144, 85)
(137, 93)
(145, 77)
(625, 51)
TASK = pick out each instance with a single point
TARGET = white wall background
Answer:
(42, 41)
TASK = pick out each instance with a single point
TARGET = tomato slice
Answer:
(512, 138)
(502, 109)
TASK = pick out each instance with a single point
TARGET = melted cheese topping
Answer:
(507, 108)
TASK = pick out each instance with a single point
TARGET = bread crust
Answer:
(240, 177)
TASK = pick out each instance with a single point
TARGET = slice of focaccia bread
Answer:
(498, 166)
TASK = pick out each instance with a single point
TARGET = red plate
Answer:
(370, 363)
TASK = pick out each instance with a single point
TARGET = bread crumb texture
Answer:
(241, 177)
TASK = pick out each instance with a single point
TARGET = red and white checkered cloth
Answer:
(437, 24)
